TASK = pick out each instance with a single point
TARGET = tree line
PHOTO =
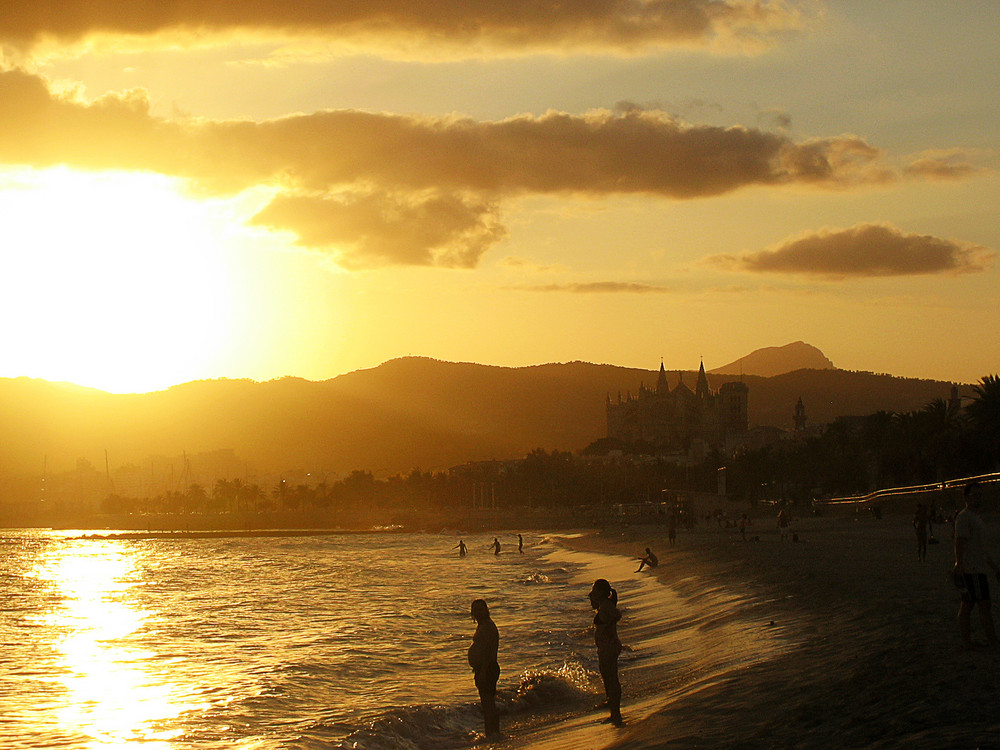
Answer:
(851, 455)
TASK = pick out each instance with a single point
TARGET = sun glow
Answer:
(112, 694)
(113, 280)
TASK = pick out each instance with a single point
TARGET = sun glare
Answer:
(113, 280)
(111, 692)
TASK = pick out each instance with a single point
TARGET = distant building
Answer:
(678, 419)
(799, 417)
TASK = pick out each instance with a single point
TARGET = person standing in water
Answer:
(496, 546)
(604, 600)
(483, 660)
(462, 549)
(520, 544)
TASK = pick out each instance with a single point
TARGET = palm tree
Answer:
(984, 412)
(196, 497)
(939, 432)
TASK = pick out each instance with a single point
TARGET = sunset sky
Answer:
(254, 190)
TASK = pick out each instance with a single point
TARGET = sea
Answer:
(337, 640)
(347, 640)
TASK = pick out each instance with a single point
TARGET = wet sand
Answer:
(840, 640)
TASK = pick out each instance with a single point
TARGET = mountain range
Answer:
(407, 413)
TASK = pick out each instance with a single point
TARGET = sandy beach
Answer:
(845, 640)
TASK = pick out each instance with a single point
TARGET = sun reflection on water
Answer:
(113, 693)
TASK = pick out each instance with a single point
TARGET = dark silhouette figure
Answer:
(520, 544)
(483, 660)
(672, 529)
(743, 523)
(649, 560)
(462, 549)
(496, 546)
(920, 526)
(783, 524)
(971, 561)
(604, 600)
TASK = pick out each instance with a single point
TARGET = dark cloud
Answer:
(602, 287)
(441, 178)
(455, 26)
(377, 229)
(865, 250)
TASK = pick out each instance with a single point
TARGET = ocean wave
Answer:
(418, 728)
(538, 694)
(545, 690)
(534, 578)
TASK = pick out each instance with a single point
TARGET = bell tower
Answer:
(800, 415)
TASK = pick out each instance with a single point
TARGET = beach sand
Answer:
(840, 640)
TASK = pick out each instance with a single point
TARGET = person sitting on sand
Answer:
(604, 600)
(649, 560)
(462, 549)
(483, 660)
(971, 561)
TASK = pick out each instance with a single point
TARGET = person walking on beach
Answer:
(971, 561)
(783, 524)
(604, 600)
(495, 546)
(672, 529)
(743, 523)
(649, 560)
(920, 524)
(485, 667)
(462, 549)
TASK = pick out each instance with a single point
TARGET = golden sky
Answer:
(220, 189)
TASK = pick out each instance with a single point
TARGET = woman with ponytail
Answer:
(604, 600)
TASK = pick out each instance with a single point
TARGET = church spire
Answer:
(661, 381)
(701, 389)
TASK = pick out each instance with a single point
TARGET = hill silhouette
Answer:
(777, 360)
(406, 413)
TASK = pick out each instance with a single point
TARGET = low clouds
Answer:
(378, 189)
(410, 27)
(865, 250)
(948, 164)
(374, 229)
(601, 287)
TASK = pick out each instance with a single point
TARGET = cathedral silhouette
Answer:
(676, 420)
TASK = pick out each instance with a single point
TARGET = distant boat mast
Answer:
(107, 473)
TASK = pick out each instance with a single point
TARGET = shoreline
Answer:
(872, 656)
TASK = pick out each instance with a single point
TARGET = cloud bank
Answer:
(865, 250)
(380, 188)
(601, 287)
(409, 27)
